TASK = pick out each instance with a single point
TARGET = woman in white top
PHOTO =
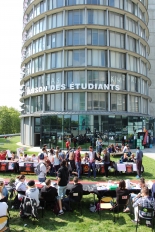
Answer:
(21, 187)
(32, 192)
(56, 161)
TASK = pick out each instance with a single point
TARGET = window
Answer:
(54, 60)
(52, 4)
(134, 104)
(36, 104)
(37, 82)
(97, 77)
(38, 64)
(132, 44)
(141, 15)
(53, 102)
(134, 83)
(29, 50)
(96, 37)
(117, 60)
(53, 80)
(143, 68)
(117, 39)
(75, 58)
(118, 102)
(116, 20)
(74, 2)
(54, 40)
(75, 101)
(131, 25)
(54, 20)
(142, 32)
(142, 50)
(76, 77)
(118, 79)
(30, 16)
(39, 45)
(131, 7)
(75, 17)
(97, 58)
(118, 3)
(75, 37)
(145, 106)
(29, 33)
(28, 68)
(133, 63)
(39, 26)
(97, 101)
(144, 87)
(96, 17)
(26, 104)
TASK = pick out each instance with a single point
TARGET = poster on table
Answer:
(28, 167)
(3, 166)
(20, 152)
(11, 166)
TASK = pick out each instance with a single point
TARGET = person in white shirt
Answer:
(92, 158)
(43, 170)
(32, 192)
(34, 158)
(56, 161)
(43, 153)
(3, 212)
(21, 186)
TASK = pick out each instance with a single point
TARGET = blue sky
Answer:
(10, 51)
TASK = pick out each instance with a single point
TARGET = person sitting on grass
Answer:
(32, 192)
(3, 212)
(145, 201)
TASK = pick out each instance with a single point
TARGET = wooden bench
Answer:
(117, 154)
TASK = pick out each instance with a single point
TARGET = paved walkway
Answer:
(149, 152)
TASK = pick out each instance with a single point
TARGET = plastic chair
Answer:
(76, 199)
(121, 204)
(105, 204)
(4, 219)
(148, 218)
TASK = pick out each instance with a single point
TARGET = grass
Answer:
(72, 222)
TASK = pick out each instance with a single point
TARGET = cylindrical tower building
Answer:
(84, 71)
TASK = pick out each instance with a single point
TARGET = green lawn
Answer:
(72, 222)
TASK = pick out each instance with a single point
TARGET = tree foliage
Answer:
(9, 120)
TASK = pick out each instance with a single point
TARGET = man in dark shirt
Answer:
(139, 156)
(63, 175)
(49, 193)
(76, 191)
(78, 161)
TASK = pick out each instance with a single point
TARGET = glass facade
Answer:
(85, 71)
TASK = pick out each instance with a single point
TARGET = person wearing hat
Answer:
(32, 192)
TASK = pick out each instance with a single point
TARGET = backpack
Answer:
(41, 156)
(37, 170)
(28, 208)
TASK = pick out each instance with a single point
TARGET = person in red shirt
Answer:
(67, 144)
(78, 161)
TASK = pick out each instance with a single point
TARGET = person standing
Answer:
(139, 156)
(42, 170)
(92, 157)
(63, 175)
(106, 160)
(78, 161)
(97, 144)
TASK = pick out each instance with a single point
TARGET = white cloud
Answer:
(11, 15)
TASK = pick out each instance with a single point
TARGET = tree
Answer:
(9, 120)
